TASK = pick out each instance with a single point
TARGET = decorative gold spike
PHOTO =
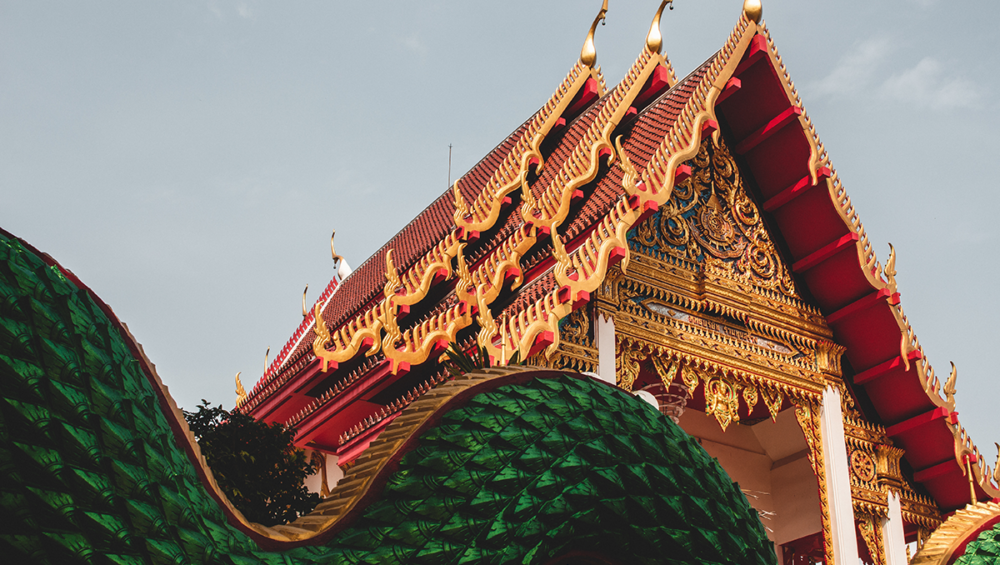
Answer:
(753, 10)
(949, 387)
(464, 277)
(333, 251)
(996, 468)
(241, 393)
(588, 55)
(460, 206)
(654, 41)
(890, 270)
(266, 353)
(392, 282)
(305, 312)
(322, 332)
(559, 250)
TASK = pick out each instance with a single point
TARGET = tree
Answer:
(254, 463)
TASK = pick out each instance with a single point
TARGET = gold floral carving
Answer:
(722, 401)
(627, 365)
(710, 218)
(666, 371)
(808, 415)
(750, 396)
(773, 399)
(871, 532)
(690, 378)
(575, 328)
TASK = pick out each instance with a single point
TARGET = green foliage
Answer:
(254, 463)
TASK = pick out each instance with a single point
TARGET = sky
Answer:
(188, 160)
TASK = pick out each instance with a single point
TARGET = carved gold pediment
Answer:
(712, 221)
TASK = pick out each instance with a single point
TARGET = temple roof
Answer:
(744, 91)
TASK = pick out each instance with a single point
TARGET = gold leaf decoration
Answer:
(773, 399)
(722, 401)
(750, 397)
(711, 219)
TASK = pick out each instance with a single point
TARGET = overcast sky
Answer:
(188, 159)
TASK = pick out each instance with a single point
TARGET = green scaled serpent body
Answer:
(984, 550)
(97, 469)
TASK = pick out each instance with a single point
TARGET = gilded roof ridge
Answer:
(583, 270)
(940, 547)
(506, 178)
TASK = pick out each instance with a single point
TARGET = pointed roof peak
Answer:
(654, 40)
(753, 10)
(588, 55)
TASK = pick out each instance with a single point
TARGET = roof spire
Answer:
(332, 250)
(343, 269)
(588, 55)
(753, 10)
(305, 312)
(654, 41)
(241, 393)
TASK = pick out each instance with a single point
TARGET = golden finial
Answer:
(304, 311)
(654, 41)
(753, 10)
(996, 468)
(588, 55)
(949, 386)
(333, 251)
(266, 353)
(890, 270)
(241, 393)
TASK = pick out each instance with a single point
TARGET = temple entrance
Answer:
(760, 434)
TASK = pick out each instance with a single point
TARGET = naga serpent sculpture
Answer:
(498, 466)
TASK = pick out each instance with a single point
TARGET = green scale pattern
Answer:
(984, 550)
(94, 474)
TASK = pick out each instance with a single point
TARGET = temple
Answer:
(648, 327)
(687, 241)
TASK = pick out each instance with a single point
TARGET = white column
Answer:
(605, 334)
(838, 480)
(892, 533)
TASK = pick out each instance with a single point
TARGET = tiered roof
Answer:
(524, 237)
